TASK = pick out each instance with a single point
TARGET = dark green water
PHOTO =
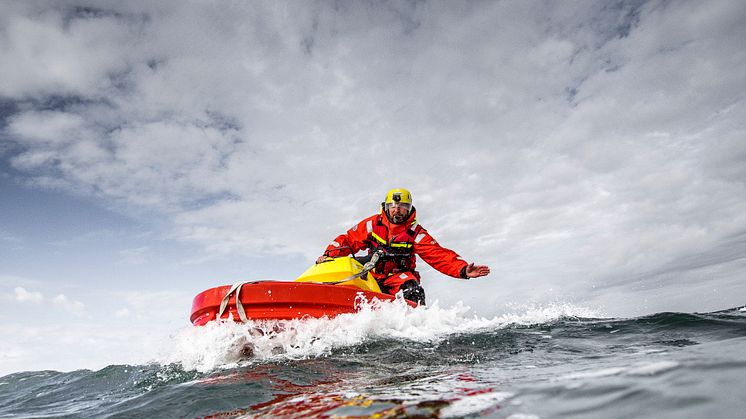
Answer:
(673, 365)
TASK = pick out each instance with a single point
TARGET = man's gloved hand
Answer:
(474, 271)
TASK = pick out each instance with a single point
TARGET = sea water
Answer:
(390, 360)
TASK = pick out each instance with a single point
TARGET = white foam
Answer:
(224, 344)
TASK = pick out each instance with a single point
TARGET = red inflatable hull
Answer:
(274, 300)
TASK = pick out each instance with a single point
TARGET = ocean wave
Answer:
(431, 361)
(227, 344)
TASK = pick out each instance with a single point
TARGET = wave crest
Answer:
(226, 344)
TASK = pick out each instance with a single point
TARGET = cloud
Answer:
(74, 307)
(23, 296)
(570, 145)
(50, 51)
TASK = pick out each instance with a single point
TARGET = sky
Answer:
(591, 153)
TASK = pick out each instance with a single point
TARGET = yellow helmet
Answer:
(398, 195)
(398, 198)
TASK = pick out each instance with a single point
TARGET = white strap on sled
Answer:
(239, 306)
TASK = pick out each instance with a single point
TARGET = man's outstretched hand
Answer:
(475, 271)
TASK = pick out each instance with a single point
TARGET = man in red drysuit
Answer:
(395, 232)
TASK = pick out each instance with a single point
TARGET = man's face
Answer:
(398, 212)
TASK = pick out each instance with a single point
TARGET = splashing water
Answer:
(226, 344)
(391, 360)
